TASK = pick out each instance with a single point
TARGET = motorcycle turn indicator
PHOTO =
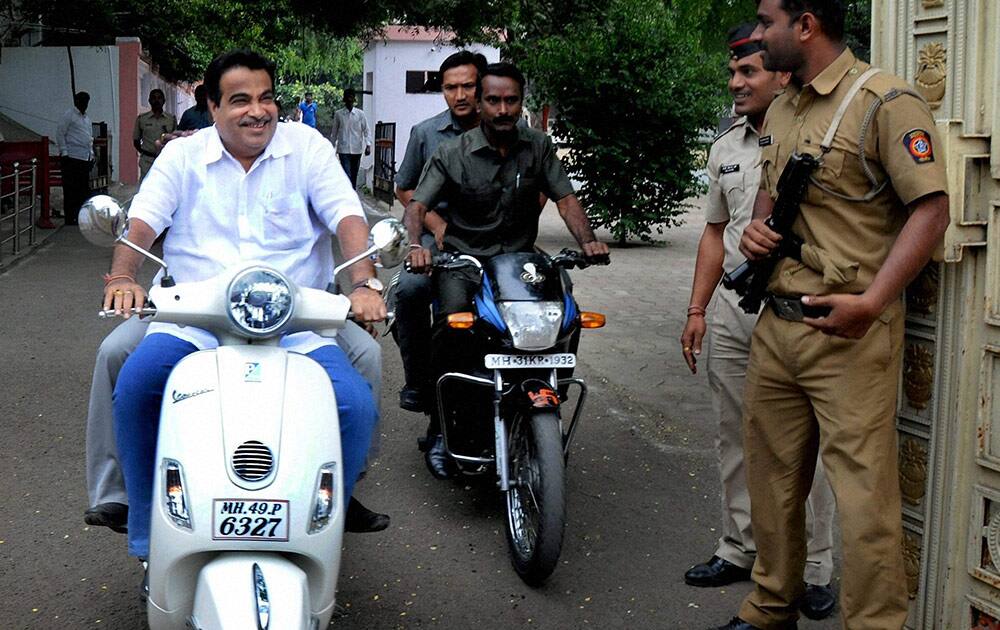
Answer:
(589, 319)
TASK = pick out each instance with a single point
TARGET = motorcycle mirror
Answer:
(103, 221)
(390, 238)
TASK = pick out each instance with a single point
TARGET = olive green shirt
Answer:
(492, 199)
(902, 148)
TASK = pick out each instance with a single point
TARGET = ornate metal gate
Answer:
(385, 161)
(949, 416)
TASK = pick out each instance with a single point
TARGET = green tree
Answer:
(632, 99)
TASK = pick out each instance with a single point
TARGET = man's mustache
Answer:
(254, 120)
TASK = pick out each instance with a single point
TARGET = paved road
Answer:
(642, 498)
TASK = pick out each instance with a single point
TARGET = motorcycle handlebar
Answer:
(567, 258)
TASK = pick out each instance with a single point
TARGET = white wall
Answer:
(389, 62)
(35, 87)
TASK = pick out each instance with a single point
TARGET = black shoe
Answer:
(715, 572)
(436, 458)
(411, 399)
(738, 624)
(818, 602)
(361, 520)
(112, 515)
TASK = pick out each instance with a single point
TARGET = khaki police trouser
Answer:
(728, 353)
(145, 163)
(806, 393)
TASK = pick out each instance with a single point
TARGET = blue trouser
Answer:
(139, 394)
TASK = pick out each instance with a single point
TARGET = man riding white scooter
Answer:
(245, 189)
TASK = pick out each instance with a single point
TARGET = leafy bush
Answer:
(635, 91)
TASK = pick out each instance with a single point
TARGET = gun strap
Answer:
(838, 117)
(827, 143)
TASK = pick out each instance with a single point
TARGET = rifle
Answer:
(749, 280)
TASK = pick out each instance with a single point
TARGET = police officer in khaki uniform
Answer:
(149, 128)
(873, 213)
(733, 181)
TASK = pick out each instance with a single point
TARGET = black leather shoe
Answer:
(411, 399)
(112, 515)
(715, 572)
(436, 458)
(736, 624)
(361, 520)
(818, 602)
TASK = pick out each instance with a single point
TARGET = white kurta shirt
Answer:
(74, 135)
(350, 131)
(281, 213)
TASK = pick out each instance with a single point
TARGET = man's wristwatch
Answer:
(371, 283)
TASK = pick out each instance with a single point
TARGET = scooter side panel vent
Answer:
(253, 461)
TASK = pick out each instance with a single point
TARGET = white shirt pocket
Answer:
(286, 222)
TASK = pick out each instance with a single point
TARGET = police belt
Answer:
(791, 308)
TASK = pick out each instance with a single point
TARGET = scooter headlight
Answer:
(260, 302)
(173, 494)
(325, 498)
(533, 325)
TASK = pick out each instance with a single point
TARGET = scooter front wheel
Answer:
(536, 505)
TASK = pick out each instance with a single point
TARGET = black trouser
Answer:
(454, 292)
(76, 186)
(413, 324)
(351, 163)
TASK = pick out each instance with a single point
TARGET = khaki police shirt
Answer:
(901, 145)
(149, 128)
(733, 181)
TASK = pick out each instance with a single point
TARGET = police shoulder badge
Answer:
(918, 144)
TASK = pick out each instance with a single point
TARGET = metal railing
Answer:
(18, 206)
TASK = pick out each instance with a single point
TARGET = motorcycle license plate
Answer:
(240, 519)
(507, 361)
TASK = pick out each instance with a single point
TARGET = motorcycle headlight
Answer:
(260, 301)
(533, 325)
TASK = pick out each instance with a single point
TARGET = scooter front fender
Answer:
(236, 591)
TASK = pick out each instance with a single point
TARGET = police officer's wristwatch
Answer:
(371, 283)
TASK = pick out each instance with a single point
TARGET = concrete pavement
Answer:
(642, 496)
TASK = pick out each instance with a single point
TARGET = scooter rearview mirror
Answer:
(103, 220)
(390, 238)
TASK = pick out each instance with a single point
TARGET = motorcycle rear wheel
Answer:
(536, 506)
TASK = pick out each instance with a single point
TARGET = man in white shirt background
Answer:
(244, 189)
(75, 138)
(350, 136)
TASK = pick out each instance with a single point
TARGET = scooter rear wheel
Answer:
(536, 506)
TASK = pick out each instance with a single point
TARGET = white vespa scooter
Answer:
(248, 512)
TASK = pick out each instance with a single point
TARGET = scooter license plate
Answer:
(508, 361)
(240, 519)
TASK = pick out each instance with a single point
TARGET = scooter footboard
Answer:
(251, 590)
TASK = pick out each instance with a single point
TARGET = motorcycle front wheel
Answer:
(536, 506)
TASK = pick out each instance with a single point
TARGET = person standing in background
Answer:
(308, 111)
(198, 116)
(350, 136)
(149, 128)
(75, 138)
